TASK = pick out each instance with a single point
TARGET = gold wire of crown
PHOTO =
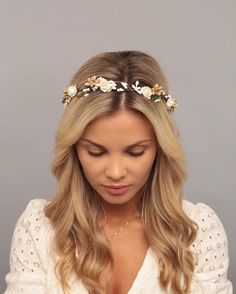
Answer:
(155, 94)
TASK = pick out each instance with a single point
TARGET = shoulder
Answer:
(32, 231)
(36, 204)
(206, 218)
(211, 232)
(33, 214)
(210, 248)
(201, 213)
(194, 209)
(29, 254)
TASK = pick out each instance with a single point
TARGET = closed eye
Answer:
(130, 153)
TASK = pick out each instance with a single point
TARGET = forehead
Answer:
(125, 125)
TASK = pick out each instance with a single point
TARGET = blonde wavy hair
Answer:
(78, 242)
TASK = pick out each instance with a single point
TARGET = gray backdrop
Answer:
(44, 42)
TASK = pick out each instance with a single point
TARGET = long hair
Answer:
(78, 242)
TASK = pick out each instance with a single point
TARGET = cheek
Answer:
(144, 169)
(90, 168)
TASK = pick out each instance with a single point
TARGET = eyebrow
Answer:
(129, 146)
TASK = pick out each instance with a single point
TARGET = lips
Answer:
(117, 190)
(117, 186)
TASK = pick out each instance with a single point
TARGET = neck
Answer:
(116, 214)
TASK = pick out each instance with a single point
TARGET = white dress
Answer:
(32, 266)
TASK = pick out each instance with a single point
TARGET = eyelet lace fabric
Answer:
(32, 263)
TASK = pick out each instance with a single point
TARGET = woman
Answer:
(118, 222)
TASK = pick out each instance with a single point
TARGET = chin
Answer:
(117, 199)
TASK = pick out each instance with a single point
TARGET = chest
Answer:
(128, 261)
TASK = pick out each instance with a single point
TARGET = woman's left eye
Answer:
(136, 154)
(95, 154)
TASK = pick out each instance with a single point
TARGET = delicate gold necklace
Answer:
(122, 228)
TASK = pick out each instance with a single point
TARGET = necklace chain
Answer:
(122, 228)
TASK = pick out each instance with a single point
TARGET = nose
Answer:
(116, 168)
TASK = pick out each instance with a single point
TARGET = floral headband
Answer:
(155, 94)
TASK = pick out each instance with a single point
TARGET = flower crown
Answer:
(155, 94)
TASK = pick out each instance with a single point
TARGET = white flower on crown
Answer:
(72, 90)
(171, 102)
(146, 92)
(105, 85)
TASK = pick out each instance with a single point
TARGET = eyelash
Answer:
(132, 154)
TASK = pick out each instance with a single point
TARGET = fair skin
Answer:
(116, 163)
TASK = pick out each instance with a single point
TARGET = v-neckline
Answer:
(138, 279)
(140, 271)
